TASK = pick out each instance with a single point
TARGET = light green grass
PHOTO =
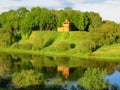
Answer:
(105, 52)
(71, 37)
(108, 52)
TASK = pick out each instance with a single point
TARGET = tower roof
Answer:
(66, 22)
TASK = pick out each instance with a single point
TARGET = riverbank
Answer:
(100, 55)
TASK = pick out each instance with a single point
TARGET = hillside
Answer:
(53, 43)
(51, 39)
(108, 51)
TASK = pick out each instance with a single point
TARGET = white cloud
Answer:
(75, 1)
(108, 9)
(13, 4)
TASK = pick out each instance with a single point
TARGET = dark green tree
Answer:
(31, 21)
(95, 20)
(9, 20)
(84, 22)
(61, 18)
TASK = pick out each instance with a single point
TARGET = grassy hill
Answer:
(108, 51)
(72, 37)
(51, 38)
(62, 44)
(47, 41)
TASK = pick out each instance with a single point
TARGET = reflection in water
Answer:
(71, 68)
(64, 70)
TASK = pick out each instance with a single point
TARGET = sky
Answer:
(108, 9)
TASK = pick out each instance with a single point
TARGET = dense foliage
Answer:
(27, 78)
(19, 24)
(93, 79)
(25, 21)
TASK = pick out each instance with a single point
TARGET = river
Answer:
(61, 73)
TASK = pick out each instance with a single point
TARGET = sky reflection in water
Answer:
(114, 78)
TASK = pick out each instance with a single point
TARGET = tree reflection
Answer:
(5, 64)
(94, 79)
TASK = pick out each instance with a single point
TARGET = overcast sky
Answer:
(108, 9)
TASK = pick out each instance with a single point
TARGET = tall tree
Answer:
(9, 20)
(84, 21)
(95, 20)
(62, 17)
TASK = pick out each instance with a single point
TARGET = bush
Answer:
(87, 46)
(26, 46)
(93, 79)
(38, 43)
(5, 40)
(27, 78)
(62, 46)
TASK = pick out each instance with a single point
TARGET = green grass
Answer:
(71, 37)
(108, 52)
(52, 38)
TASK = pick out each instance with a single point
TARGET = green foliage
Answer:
(105, 33)
(5, 67)
(87, 46)
(9, 20)
(37, 43)
(84, 21)
(22, 12)
(15, 24)
(95, 20)
(5, 39)
(26, 46)
(28, 78)
(61, 18)
(93, 79)
(62, 46)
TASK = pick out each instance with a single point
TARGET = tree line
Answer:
(21, 22)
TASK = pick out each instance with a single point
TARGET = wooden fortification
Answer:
(65, 27)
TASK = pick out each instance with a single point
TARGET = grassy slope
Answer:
(108, 52)
(72, 37)
(105, 52)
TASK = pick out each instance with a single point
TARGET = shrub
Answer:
(38, 43)
(27, 78)
(93, 79)
(49, 42)
(63, 46)
(87, 46)
(26, 46)
(5, 40)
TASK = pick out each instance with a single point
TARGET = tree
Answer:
(61, 18)
(27, 78)
(67, 8)
(74, 17)
(95, 20)
(48, 21)
(93, 79)
(9, 20)
(22, 12)
(84, 21)
(31, 21)
(5, 39)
